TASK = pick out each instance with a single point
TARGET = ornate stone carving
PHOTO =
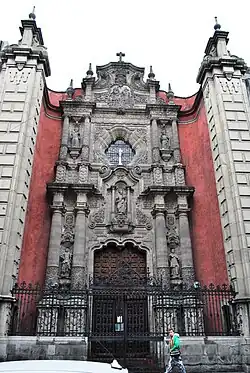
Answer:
(68, 229)
(60, 173)
(85, 153)
(104, 171)
(83, 173)
(65, 263)
(174, 265)
(155, 155)
(179, 174)
(120, 221)
(165, 142)
(63, 152)
(121, 95)
(75, 138)
(157, 172)
(121, 201)
(230, 87)
(97, 217)
(17, 77)
(143, 219)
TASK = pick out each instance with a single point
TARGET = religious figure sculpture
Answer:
(164, 141)
(65, 258)
(75, 139)
(121, 201)
(174, 265)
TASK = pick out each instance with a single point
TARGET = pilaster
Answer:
(79, 253)
(55, 238)
(160, 239)
(155, 141)
(185, 240)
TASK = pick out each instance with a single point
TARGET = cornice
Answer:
(209, 63)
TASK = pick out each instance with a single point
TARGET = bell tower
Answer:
(23, 68)
(227, 107)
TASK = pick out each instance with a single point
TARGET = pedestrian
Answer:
(175, 353)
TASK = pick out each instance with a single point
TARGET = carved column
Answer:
(155, 141)
(176, 144)
(160, 240)
(185, 241)
(86, 136)
(65, 135)
(55, 239)
(79, 254)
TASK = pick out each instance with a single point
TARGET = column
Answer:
(79, 253)
(65, 136)
(161, 240)
(55, 239)
(185, 241)
(86, 136)
(176, 145)
(155, 141)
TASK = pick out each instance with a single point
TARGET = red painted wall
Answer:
(208, 247)
(37, 224)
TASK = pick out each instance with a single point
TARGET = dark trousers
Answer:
(175, 361)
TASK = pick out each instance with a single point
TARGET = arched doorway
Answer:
(121, 323)
(119, 265)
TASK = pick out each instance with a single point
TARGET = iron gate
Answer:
(125, 325)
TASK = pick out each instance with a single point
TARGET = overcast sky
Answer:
(170, 35)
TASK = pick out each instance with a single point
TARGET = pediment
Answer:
(121, 85)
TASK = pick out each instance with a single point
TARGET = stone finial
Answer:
(70, 90)
(151, 74)
(170, 94)
(217, 26)
(90, 71)
(32, 14)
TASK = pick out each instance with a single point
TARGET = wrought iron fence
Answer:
(144, 312)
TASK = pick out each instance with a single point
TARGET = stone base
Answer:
(212, 354)
(215, 354)
(6, 305)
(43, 348)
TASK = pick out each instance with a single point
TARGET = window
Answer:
(120, 153)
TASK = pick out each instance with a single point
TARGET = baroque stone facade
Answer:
(119, 149)
(141, 176)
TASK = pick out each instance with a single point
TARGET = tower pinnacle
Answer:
(32, 14)
(217, 26)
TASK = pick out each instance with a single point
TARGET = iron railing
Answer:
(139, 313)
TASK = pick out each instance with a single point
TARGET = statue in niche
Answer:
(65, 259)
(121, 201)
(165, 144)
(75, 138)
(174, 264)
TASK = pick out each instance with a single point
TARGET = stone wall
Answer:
(211, 354)
(43, 348)
(215, 354)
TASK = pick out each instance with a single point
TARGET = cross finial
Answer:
(120, 55)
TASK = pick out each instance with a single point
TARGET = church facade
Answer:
(122, 191)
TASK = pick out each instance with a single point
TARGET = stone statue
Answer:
(174, 265)
(65, 258)
(75, 139)
(164, 141)
(121, 201)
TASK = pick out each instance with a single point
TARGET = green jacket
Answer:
(175, 344)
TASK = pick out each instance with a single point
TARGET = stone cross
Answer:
(120, 55)
(120, 156)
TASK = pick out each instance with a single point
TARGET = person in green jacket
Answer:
(175, 353)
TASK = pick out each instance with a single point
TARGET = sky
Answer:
(170, 35)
